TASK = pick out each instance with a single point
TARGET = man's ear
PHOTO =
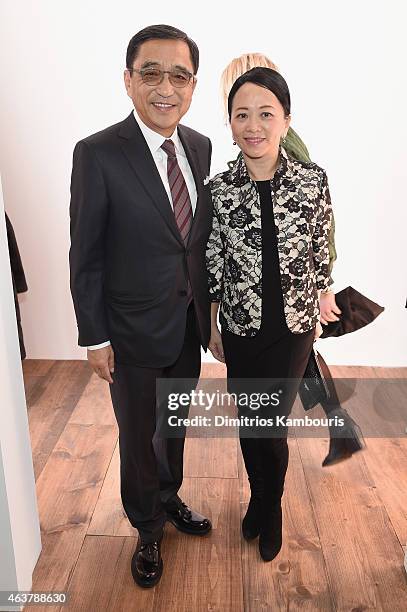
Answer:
(127, 80)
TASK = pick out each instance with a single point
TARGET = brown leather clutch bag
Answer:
(357, 311)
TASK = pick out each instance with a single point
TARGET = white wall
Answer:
(20, 542)
(61, 74)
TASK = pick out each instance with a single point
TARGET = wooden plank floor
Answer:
(344, 527)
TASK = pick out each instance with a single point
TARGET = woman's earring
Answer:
(234, 142)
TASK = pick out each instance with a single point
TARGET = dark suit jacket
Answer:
(128, 263)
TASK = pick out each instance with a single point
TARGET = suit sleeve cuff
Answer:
(98, 346)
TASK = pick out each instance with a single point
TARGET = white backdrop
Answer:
(61, 76)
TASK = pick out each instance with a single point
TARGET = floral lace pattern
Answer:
(302, 215)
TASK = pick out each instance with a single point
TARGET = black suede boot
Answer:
(274, 453)
(271, 532)
(252, 519)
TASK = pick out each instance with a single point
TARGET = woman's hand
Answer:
(328, 308)
(215, 344)
(318, 331)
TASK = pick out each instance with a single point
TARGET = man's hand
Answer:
(102, 362)
(328, 308)
(215, 345)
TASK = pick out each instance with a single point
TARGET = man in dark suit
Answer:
(140, 220)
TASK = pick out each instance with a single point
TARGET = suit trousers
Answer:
(151, 468)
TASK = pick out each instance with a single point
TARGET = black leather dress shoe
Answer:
(187, 520)
(252, 519)
(270, 540)
(147, 564)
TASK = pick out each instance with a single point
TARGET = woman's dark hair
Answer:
(163, 32)
(264, 77)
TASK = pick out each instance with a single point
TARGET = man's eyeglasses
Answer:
(155, 76)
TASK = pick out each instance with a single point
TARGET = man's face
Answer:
(162, 106)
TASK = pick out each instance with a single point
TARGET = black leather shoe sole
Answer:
(189, 530)
(147, 584)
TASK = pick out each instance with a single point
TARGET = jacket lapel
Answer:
(141, 161)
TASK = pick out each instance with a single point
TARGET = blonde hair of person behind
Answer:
(237, 67)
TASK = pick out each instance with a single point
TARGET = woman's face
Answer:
(258, 121)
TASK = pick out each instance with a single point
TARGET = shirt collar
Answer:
(154, 140)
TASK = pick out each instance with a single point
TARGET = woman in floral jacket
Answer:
(346, 440)
(267, 261)
(295, 147)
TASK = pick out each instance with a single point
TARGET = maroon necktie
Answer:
(180, 197)
(179, 193)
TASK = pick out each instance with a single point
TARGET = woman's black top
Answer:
(273, 323)
(274, 352)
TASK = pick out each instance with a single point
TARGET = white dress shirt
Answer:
(154, 141)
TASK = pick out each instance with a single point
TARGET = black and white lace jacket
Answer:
(302, 215)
